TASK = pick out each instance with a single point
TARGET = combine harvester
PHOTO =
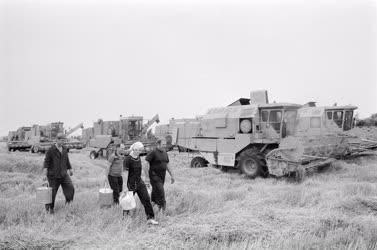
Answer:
(107, 134)
(16, 140)
(39, 138)
(261, 138)
(43, 137)
(321, 136)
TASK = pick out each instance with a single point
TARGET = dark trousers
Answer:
(116, 184)
(142, 192)
(158, 192)
(67, 186)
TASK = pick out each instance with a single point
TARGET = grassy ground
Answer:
(207, 209)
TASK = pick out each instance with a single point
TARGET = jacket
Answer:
(56, 163)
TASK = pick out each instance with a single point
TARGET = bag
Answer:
(105, 195)
(127, 200)
(44, 194)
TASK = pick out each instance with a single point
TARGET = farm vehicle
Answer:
(16, 140)
(39, 138)
(126, 131)
(45, 136)
(261, 138)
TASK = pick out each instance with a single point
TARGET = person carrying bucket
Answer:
(114, 172)
(57, 169)
(158, 165)
(132, 164)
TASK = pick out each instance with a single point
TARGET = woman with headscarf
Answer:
(132, 163)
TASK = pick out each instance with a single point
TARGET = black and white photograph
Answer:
(188, 124)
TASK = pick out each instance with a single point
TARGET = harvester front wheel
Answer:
(93, 155)
(198, 162)
(251, 163)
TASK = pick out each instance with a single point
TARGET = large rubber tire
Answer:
(198, 162)
(93, 155)
(252, 163)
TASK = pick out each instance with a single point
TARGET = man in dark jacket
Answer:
(158, 165)
(56, 168)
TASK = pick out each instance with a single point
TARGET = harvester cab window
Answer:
(348, 119)
(264, 116)
(275, 119)
(338, 118)
(329, 115)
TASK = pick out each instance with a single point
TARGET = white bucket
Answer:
(105, 197)
(44, 195)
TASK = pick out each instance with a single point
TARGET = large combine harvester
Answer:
(106, 134)
(261, 138)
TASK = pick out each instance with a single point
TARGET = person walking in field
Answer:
(114, 172)
(132, 163)
(57, 170)
(158, 161)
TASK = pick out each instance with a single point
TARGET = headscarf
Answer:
(137, 146)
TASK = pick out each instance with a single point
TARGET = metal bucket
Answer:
(44, 194)
(105, 197)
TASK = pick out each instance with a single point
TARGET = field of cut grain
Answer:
(207, 209)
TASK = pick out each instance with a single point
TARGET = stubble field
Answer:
(207, 209)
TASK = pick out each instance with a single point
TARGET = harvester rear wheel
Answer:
(93, 155)
(252, 164)
(198, 162)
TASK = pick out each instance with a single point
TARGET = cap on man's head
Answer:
(61, 136)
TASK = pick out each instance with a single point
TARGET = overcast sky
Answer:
(77, 61)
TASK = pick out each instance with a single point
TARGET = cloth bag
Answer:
(127, 200)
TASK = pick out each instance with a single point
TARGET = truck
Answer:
(126, 130)
(247, 135)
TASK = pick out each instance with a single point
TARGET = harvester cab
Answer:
(131, 127)
(324, 120)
